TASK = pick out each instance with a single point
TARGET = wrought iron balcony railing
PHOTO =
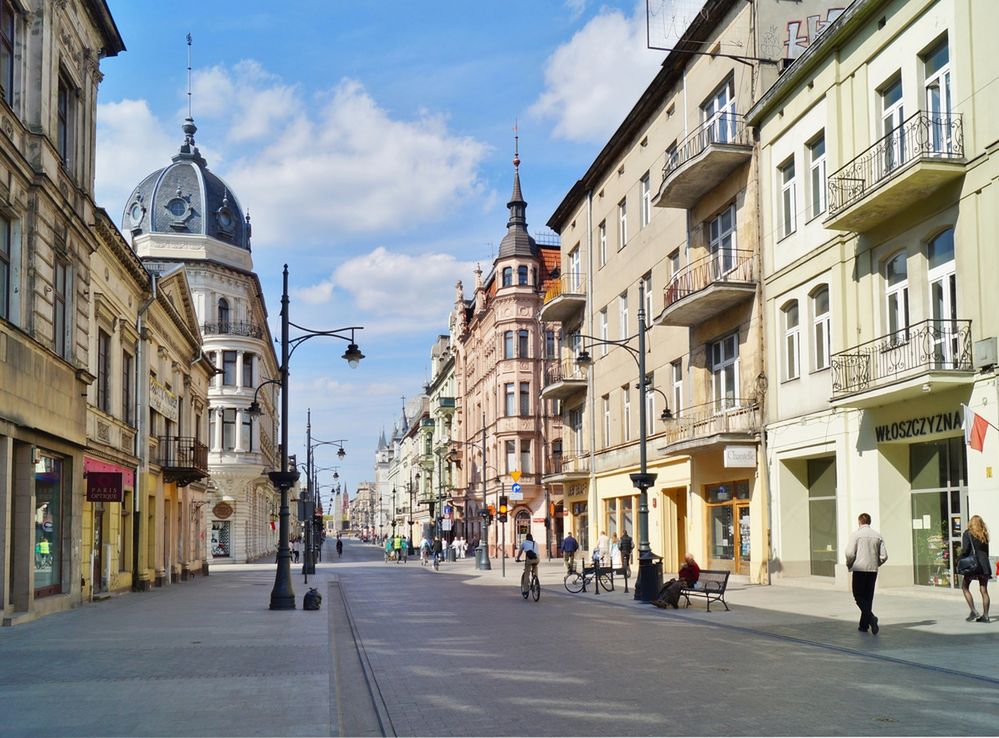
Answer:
(932, 345)
(570, 462)
(233, 328)
(729, 415)
(562, 371)
(724, 128)
(724, 265)
(572, 283)
(923, 136)
(183, 459)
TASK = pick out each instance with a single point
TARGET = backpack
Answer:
(530, 555)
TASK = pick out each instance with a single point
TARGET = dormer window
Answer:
(507, 276)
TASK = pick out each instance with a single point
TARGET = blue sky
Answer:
(371, 143)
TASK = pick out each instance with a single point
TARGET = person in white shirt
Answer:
(529, 549)
(603, 546)
(865, 553)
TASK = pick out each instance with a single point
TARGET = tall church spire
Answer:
(517, 241)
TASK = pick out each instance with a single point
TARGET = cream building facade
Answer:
(878, 254)
(49, 74)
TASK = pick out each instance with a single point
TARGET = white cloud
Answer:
(592, 80)
(576, 7)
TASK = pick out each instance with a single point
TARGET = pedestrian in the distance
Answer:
(865, 554)
(626, 546)
(569, 548)
(603, 546)
(976, 541)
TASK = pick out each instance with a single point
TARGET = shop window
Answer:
(221, 535)
(48, 525)
(938, 478)
(822, 516)
(729, 525)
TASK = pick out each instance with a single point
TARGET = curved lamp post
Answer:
(282, 595)
(645, 584)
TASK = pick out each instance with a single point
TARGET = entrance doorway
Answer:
(728, 526)
(674, 527)
(96, 581)
(938, 475)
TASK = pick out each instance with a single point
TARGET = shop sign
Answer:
(104, 487)
(915, 427)
(740, 457)
(163, 400)
(222, 510)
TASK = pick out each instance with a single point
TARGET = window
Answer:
(820, 328)
(523, 343)
(936, 69)
(575, 270)
(626, 414)
(60, 295)
(674, 262)
(646, 190)
(672, 157)
(127, 369)
(507, 276)
(897, 297)
(223, 315)
(676, 372)
(509, 408)
(154, 422)
(511, 455)
(576, 429)
(246, 442)
(229, 368)
(724, 358)
(607, 420)
(647, 288)
(622, 304)
(892, 117)
(721, 242)
(718, 114)
(943, 296)
(522, 275)
(650, 406)
(7, 28)
(103, 371)
(787, 198)
(5, 268)
(602, 241)
(791, 363)
(525, 398)
(49, 528)
(508, 345)
(817, 174)
(551, 350)
(248, 370)
(622, 223)
(211, 429)
(525, 455)
(228, 428)
(604, 332)
(65, 122)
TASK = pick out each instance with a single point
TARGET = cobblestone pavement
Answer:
(403, 650)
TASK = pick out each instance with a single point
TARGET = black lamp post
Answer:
(283, 595)
(646, 583)
(482, 562)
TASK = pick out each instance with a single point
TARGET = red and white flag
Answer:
(975, 427)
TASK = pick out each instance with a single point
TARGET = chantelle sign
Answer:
(915, 427)
(104, 486)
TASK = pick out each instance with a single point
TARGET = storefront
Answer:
(50, 516)
(729, 530)
(107, 534)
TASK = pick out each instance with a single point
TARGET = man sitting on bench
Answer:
(669, 595)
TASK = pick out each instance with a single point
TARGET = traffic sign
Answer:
(515, 475)
(515, 488)
(515, 493)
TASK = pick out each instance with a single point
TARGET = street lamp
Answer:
(482, 552)
(645, 584)
(282, 595)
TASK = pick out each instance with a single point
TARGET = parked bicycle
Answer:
(576, 581)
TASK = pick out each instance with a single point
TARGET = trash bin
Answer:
(649, 580)
(451, 554)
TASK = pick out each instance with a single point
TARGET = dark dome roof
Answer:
(185, 197)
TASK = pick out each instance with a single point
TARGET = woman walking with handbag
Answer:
(975, 550)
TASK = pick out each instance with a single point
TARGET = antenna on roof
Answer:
(189, 75)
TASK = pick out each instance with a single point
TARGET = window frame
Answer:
(622, 323)
(900, 290)
(821, 329)
(525, 399)
(508, 345)
(626, 412)
(6, 266)
(602, 241)
(104, 370)
(524, 343)
(8, 50)
(228, 428)
(720, 360)
(509, 400)
(61, 278)
(523, 276)
(622, 223)
(127, 401)
(791, 365)
(645, 187)
(676, 377)
(228, 368)
(247, 373)
(787, 180)
(817, 175)
(507, 277)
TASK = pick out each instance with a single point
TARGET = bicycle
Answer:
(437, 560)
(530, 586)
(576, 582)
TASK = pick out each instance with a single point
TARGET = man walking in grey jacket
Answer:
(865, 553)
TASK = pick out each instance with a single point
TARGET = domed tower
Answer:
(184, 214)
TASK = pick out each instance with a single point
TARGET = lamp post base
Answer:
(482, 559)
(650, 577)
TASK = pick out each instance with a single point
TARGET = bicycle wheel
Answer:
(535, 588)
(606, 582)
(573, 582)
(437, 563)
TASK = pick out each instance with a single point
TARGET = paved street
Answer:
(402, 650)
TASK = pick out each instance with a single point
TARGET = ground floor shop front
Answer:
(906, 464)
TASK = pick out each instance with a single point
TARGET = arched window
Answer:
(522, 275)
(897, 297)
(820, 327)
(791, 340)
(522, 521)
(507, 276)
(223, 314)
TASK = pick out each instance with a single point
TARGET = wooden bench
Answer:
(710, 585)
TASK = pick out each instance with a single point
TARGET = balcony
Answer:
(903, 364)
(564, 299)
(232, 328)
(713, 424)
(708, 286)
(445, 406)
(566, 467)
(182, 459)
(703, 160)
(563, 380)
(917, 158)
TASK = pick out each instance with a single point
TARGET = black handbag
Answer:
(969, 565)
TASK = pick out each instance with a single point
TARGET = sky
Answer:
(371, 142)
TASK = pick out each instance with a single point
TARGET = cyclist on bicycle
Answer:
(424, 551)
(529, 549)
(339, 547)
